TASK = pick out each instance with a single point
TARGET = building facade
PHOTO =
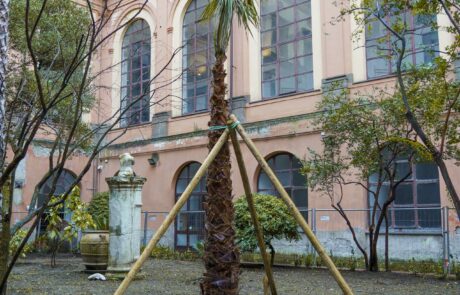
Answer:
(277, 75)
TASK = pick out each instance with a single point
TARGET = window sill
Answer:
(376, 79)
(132, 126)
(286, 97)
(411, 232)
(186, 116)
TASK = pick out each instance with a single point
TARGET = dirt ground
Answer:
(35, 276)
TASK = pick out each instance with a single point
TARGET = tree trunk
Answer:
(342, 213)
(221, 255)
(5, 201)
(373, 258)
(4, 237)
(5, 234)
(371, 238)
(272, 254)
(4, 13)
(387, 258)
(435, 153)
(448, 181)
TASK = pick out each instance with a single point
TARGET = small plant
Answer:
(99, 210)
(275, 219)
(162, 252)
(353, 262)
(200, 248)
(412, 266)
(309, 260)
(60, 230)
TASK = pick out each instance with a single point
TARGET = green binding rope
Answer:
(220, 127)
(234, 124)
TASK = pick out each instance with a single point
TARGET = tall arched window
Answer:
(64, 182)
(286, 167)
(198, 58)
(190, 221)
(286, 37)
(135, 74)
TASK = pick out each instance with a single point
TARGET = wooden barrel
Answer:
(94, 249)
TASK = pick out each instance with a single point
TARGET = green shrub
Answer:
(99, 210)
(275, 219)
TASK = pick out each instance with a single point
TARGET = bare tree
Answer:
(63, 85)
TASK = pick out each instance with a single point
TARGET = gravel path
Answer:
(35, 276)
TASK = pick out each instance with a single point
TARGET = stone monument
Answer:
(125, 204)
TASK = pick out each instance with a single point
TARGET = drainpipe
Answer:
(313, 226)
(97, 159)
(445, 235)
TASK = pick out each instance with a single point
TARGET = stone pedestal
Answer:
(125, 204)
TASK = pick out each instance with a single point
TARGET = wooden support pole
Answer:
(172, 215)
(252, 210)
(292, 207)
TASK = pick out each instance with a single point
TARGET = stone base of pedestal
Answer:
(119, 269)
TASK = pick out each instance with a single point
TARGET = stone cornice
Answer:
(251, 127)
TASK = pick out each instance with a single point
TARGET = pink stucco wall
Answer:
(293, 136)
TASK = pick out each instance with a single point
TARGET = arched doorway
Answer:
(287, 168)
(189, 226)
(64, 183)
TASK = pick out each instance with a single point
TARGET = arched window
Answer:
(417, 201)
(286, 167)
(135, 74)
(63, 184)
(286, 47)
(190, 221)
(198, 58)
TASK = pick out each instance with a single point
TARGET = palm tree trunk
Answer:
(221, 256)
(5, 201)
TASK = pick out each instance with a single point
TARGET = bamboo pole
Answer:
(299, 218)
(172, 215)
(252, 210)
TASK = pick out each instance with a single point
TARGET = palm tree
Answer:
(221, 255)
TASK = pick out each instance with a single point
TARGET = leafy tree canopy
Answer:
(59, 40)
(63, 27)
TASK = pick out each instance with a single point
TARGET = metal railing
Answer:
(419, 233)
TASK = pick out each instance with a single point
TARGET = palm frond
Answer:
(223, 11)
